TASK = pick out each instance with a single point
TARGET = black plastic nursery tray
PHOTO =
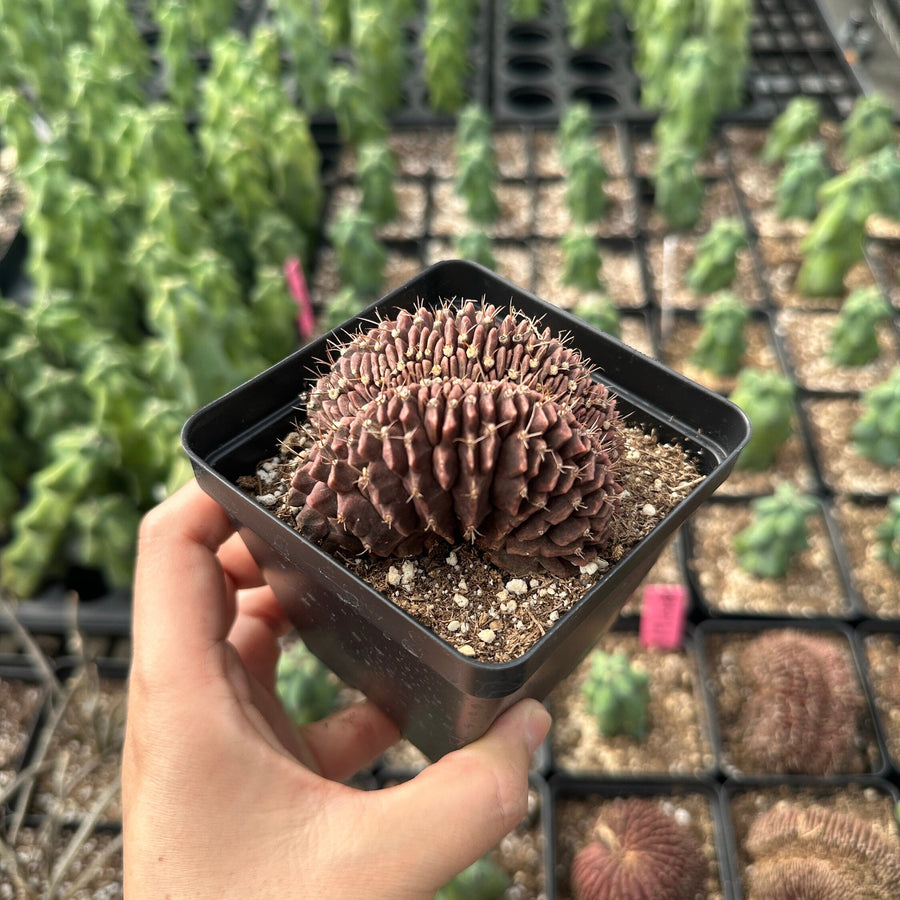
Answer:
(440, 698)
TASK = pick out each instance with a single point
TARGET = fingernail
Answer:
(537, 724)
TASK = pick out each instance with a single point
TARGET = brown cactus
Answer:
(461, 424)
(802, 709)
(637, 851)
(817, 853)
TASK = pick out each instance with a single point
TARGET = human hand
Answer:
(224, 797)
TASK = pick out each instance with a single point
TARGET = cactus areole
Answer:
(461, 423)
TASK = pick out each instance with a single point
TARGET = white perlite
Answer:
(517, 586)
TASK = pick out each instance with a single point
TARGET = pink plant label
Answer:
(296, 282)
(663, 613)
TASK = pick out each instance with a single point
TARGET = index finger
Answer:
(183, 604)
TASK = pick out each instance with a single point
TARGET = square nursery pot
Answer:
(439, 698)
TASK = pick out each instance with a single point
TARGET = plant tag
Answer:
(296, 282)
(663, 613)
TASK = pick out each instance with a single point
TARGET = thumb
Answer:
(462, 805)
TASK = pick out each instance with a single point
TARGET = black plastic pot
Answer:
(439, 698)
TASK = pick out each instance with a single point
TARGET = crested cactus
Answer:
(617, 695)
(797, 124)
(716, 258)
(805, 171)
(598, 310)
(777, 533)
(854, 339)
(876, 433)
(460, 424)
(888, 534)
(483, 880)
(869, 127)
(822, 853)
(636, 851)
(802, 706)
(768, 400)
(376, 168)
(721, 344)
(306, 688)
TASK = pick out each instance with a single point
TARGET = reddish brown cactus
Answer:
(461, 424)
(803, 706)
(638, 851)
(817, 853)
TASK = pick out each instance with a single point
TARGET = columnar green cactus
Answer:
(575, 128)
(679, 190)
(805, 171)
(446, 38)
(588, 21)
(888, 533)
(869, 127)
(476, 245)
(483, 880)
(716, 258)
(476, 164)
(835, 241)
(598, 310)
(617, 695)
(375, 170)
(586, 176)
(524, 10)
(778, 531)
(582, 261)
(767, 399)
(854, 339)
(720, 345)
(307, 689)
(876, 433)
(358, 118)
(797, 124)
(360, 255)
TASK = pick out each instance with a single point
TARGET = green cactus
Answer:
(679, 190)
(598, 310)
(805, 171)
(476, 164)
(617, 694)
(834, 243)
(581, 258)
(483, 880)
(575, 128)
(876, 433)
(716, 257)
(360, 255)
(588, 21)
(767, 399)
(888, 534)
(358, 118)
(307, 689)
(797, 124)
(524, 10)
(445, 39)
(720, 345)
(869, 127)
(778, 531)
(476, 245)
(375, 171)
(854, 339)
(585, 197)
